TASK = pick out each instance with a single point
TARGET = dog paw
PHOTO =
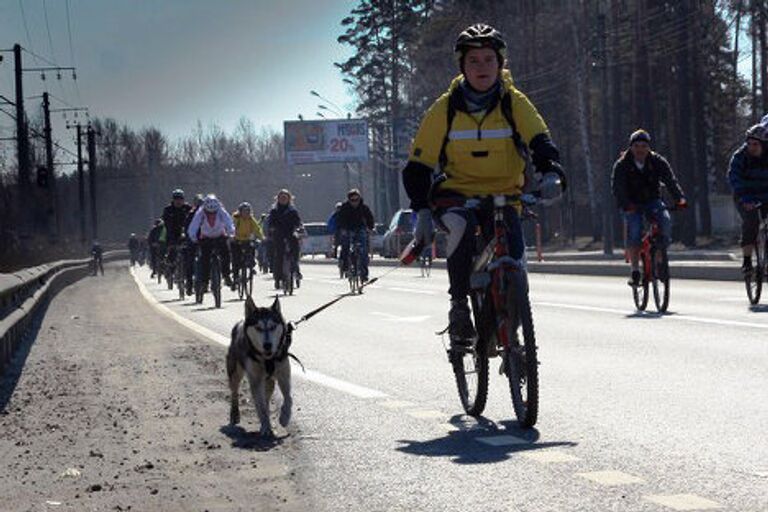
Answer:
(266, 433)
(234, 417)
(285, 417)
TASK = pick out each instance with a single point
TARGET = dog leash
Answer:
(294, 325)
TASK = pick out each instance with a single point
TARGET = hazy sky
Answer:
(169, 63)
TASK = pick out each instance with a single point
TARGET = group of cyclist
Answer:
(189, 234)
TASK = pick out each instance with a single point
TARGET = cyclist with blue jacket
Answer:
(748, 176)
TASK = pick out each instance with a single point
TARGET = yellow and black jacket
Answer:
(477, 152)
(246, 228)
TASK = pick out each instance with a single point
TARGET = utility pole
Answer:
(22, 140)
(80, 181)
(92, 180)
(594, 211)
(22, 136)
(604, 182)
(47, 132)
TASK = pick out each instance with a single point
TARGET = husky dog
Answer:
(259, 349)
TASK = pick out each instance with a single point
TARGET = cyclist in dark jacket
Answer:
(154, 242)
(748, 176)
(636, 180)
(174, 217)
(283, 222)
(353, 222)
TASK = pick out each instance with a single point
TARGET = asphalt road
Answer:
(638, 412)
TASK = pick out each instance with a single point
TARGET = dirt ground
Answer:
(112, 406)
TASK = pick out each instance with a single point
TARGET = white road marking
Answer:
(683, 502)
(611, 477)
(550, 456)
(397, 404)
(679, 318)
(310, 375)
(399, 318)
(340, 385)
(411, 290)
(502, 440)
(426, 414)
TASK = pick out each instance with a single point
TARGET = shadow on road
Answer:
(465, 446)
(759, 308)
(245, 440)
(168, 301)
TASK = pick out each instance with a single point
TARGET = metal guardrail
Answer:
(23, 292)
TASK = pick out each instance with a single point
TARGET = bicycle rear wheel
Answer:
(216, 281)
(287, 279)
(179, 277)
(521, 364)
(660, 262)
(470, 368)
(754, 280)
(240, 283)
(640, 292)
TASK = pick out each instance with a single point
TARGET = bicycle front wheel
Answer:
(470, 368)
(640, 292)
(754, 280)
(660, 262)
(216, 282)
(521, 364)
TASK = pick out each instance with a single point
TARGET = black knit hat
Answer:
(639, 136)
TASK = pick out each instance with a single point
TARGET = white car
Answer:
(316, 239)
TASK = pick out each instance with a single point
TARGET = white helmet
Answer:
(211, 203)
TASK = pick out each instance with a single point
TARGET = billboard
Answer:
(332, 140)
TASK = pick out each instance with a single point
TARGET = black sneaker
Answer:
(460, 329)
(634, 280)
(747, 268)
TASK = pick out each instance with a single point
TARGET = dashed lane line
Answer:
(683, 502)
(502, 440)
(309, 375)
(550, 456)
(610, 478)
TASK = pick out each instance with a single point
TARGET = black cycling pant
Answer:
(206, 249)
(243, 253)
(460, 261)
(750, 223)
(278, 248)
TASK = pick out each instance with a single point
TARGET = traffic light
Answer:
(42, 176)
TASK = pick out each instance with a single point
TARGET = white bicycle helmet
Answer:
(211, 204)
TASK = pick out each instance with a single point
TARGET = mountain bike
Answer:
(244, 276)
(753, 281)
(655, 269)
(289, 276)
(354, 262)
(502, 312)
(425, 261)
(179, 271)
(215, 279)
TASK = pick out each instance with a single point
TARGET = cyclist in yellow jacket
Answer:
(247, 231)
(482, 137)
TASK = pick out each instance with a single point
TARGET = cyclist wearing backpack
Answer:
(479, 133)
(748, 176)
